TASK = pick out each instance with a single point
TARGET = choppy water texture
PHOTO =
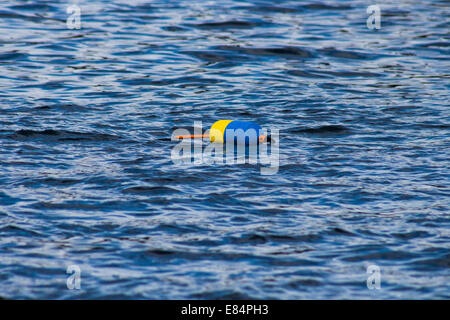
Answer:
(86, 176)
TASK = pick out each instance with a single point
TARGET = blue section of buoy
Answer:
(249, 131)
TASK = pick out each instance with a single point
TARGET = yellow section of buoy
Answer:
(217, 131)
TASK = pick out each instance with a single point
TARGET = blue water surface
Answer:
(87, 178)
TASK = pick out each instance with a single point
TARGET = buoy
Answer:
(247, 130)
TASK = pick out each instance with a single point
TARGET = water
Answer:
(86, 176)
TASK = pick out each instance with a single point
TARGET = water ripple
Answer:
(86, 176)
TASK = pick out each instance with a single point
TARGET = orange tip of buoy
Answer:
(262, 138)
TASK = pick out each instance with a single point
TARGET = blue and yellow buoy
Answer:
(221, 128)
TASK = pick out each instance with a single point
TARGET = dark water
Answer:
(86, 176)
